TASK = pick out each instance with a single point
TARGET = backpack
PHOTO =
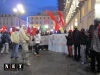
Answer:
(4, 38)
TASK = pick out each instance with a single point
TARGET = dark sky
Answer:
(31, 7)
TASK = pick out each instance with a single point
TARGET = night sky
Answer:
(32, 7)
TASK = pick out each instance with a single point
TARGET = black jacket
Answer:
(69, 39)
(76, 37)
(83, 38)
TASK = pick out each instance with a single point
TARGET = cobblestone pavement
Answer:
(49, 63)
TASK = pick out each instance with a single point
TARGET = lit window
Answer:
(89, 21)
(89, 5)
(82, 11)
(82, 24)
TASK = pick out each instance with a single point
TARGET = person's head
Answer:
(91, 28)
(96, 22)
(70, 31)
(24, 27)
(88, 33)
(37, 32)
(82, 30)
(17, 29)
(13, 29)
(75, 27)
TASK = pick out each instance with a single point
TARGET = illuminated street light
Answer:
(46, 26)
(19, 10)
(15, 10)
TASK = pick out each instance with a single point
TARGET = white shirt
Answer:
(37, 38)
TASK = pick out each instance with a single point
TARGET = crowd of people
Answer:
(17, 38)
(86, 45)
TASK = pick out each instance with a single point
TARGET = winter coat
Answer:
(69, 39)
(83, 38)
(5, 38)
(76, 37)
(23, 38)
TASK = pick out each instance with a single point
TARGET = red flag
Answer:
(51, 15)
(57, 27)
(4, 28)
(61, 18)
(54, 20)
(34, 31)
(28, 30)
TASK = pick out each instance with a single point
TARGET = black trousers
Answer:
(77, 49)
(1, 45)
(87, 52)
(95, 56)
(37, 48)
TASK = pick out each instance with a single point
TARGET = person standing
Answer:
(95, 44)
(70, 43)
(76, 38)
(5, 41)
(0, 41)
(15, 43)
(37, 39)
(24, 40)
(83, 46)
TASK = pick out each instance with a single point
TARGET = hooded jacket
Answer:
(23, 36)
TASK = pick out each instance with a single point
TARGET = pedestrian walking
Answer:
(37, 39)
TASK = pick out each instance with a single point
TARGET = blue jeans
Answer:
(15, 50)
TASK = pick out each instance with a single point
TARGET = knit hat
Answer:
(70, 31)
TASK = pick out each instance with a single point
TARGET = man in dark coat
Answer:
(76, 39)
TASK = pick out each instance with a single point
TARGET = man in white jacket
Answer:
(24, 40)
(37, 38)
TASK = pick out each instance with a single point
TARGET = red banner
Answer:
(34, 31)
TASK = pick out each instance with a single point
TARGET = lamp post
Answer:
(19, 10)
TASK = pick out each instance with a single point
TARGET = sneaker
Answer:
(11, 57)
(16, 57)
(37, 55)
(7, 52)
(28, 64)
(82, 63)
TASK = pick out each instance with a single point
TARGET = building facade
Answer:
(10, 20)
(81, 13)
(61, 5)
(42, 19)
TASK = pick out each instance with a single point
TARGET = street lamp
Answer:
(19, 10)
(46, 26)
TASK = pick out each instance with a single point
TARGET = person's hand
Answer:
(28, 41)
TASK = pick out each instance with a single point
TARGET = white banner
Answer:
(57, 43)
(44, 40)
